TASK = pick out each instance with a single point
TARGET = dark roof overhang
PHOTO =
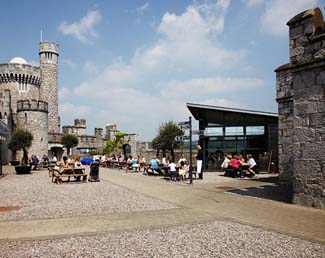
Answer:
(231, 116)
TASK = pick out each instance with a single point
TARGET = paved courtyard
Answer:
(132, 215)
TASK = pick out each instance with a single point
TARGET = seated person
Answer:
(252, 165)
(181, 159)
(233, 167)
(78, 168)
(35, 162)
(154, 165)
(64, 166)
(45, 161)
(241, 159)
(128, 164)
(225, 162)
(135, 164)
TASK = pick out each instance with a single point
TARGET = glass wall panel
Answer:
(255, 130)
(214, 131)
(235, 130)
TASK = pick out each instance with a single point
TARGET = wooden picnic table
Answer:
(76, 172)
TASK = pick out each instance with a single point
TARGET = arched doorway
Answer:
(126, 150)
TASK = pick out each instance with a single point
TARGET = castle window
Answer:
(22, 86)
(25, 117)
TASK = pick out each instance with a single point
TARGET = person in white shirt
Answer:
(172, 170)
(225, 162)
(181, 159)
(252, 164)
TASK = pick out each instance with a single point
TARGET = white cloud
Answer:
(64, 93)
(278, 12)
(68, 62)
(90, 68)
(142, 8)
(253, 3)
(221, 102)
(206, 87)
(150, 88)
(69, 109)
(83, 30)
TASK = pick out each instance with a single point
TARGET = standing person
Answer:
(199, 158)
(172, 170)
(182, 171)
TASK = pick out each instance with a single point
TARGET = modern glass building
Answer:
(236, 131)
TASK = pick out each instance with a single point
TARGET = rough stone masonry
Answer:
(301, 102)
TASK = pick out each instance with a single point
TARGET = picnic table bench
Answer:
(70, 172)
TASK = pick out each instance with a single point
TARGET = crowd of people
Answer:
(166, 164)
(235, 165)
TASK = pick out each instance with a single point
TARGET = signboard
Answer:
(184, 125)
(199, 132)
(182, 138)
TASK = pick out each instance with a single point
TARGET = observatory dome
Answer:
(18, 60)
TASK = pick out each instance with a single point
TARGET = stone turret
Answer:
(32, 115)
(301, 102)
(48, 55)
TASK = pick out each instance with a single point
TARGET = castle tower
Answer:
(48, 55)
(80, 126)
(32, 115)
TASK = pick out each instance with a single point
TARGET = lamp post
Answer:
(191, 175)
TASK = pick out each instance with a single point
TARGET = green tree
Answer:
(165, 140)
(21, 140)
(69, 141)
(115, 145)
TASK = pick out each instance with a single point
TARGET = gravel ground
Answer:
(39, 198)
(214, 239)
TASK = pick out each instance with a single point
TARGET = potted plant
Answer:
(21, 140)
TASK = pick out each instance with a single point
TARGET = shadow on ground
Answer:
(271, 192)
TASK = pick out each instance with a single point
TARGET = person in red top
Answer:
(233, 166)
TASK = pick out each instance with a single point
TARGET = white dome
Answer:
(18, 60)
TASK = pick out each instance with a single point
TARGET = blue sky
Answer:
(137, 63)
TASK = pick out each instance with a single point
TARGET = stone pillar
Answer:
(301, 102)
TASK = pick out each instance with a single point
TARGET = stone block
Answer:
(307, 168)
(316, 119)
(295, 32)
(304, 135)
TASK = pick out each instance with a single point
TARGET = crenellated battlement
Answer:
(306, 35)
(21, 73)
(80, 123)
(48, 46)
(32, 105)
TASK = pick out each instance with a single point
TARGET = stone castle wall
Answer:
(301, 100)
(13, 75)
